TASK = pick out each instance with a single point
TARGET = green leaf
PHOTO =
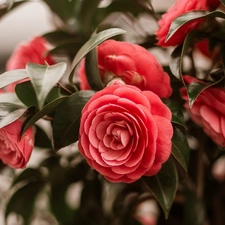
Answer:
(47, 109)
(10, 112)
(191, 16)
(180, 149)
(67, 119)
(195, 88)
(92, 43)
(12, 76)
(92, 71)
(41, 138)
(23, 200)
(26, 94)
(164, 185)
(176, 61)
(44, 78)
(177, 114)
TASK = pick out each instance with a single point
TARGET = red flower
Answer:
(208, 111)
(125, 133)
(179, 8)
(35, 51)
(15, 152)
(133, 64)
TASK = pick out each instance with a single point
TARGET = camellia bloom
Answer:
(16, 151)
(208, 111)
(34, 51)
(125, 133)
(181, 7)
(133, 64)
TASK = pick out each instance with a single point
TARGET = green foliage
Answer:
(164, 185)
(67, 119)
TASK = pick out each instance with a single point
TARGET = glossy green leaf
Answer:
(164, 185)
(12, 76)
(67, 119)
(64, 9)
(42, 140)
(177, 114)
(85, 16)
(191, 16)
(176, 61)
(26, 94)
(195, 88)
(92, 43)
(47, 109)
(44, 78)
(10, 112)
(58, 36)
(23, 200)
(180, 149)
(92, 71)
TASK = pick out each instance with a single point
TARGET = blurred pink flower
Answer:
(181, 7)
(208, 111)
(15, 151)
(133, 64)
(34, 51)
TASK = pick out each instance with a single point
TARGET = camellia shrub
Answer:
(122, 109)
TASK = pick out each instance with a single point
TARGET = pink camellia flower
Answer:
(181, 7)
(15, 151)
(34, 51)
(133, 64)
(125, 133)
(208, 111)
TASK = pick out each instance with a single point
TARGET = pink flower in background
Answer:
(208, 111)
(125, 133)
(34, 51)
(15, 152)
(133, 63)
(181, 7)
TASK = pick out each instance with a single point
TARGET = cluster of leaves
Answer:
(80, 30)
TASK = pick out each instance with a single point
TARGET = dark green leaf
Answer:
(58, 36)
(12, 76)
(92, 43)
(92, 71)
(176, 62)
(28, 175)
(195, 89)
(41, 138)
(67, 119)
(47, 109)
(25, 92)
(177, 114)
(191, 16)
(23, 200)
(10, 112)
(164, 185)
(44, 78)
(180, 149)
